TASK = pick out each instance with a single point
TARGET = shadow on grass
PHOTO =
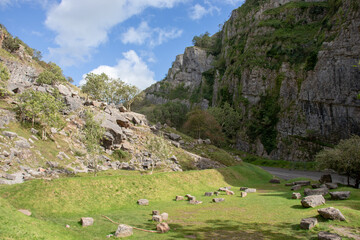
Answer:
(226, 229)
(298, 206)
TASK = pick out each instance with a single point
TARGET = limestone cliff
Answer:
(288, 67)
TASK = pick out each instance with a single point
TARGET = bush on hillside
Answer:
(52, 75)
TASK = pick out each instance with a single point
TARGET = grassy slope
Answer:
(269, 214)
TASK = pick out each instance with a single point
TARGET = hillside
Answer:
(286, 67)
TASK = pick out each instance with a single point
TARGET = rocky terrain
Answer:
(129, 143)
(286, 66)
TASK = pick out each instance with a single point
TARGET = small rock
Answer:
(274, 180)
(34, 137)
(243, 194)
(157, 218)
(195, 202)
(189, 197)
(317, 191)
(288, 184)
(216, 200)
(143, 202)
(86, 221)
(24, 211)
(313, 201)
(5, 153)
(308, 223)
(122, 109)
(328, 236)
(173, 158)
(22, 144)
(123, 231)
(53, 130)
(302, 183)
(176, 144)
(296, 187)
(155, 212)
(207, 141)
(67, 226)
(316, 185)
(34, 131)
(296, 195)
(250, 190)
(228, 192)
(164, 216)
(340, 195)
(109, 236)
(209, 194)
(179, 198)
(216, 193)
(162, 227)
(331, 185)
(331, 213)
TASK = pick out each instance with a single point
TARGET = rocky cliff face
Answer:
(287, 66)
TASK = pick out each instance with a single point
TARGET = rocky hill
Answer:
(129, 142)
(288, 68)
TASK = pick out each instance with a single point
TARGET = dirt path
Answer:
(289, 174)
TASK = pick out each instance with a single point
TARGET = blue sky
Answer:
(134, 40)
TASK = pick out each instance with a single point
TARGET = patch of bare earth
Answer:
(347, 232)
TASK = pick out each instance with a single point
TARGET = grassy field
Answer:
(268, 214)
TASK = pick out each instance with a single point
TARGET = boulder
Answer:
(275, 180)
(289, 184)
(86, 221)
(10, 135)
(340, 195)
(143, 202)
(63, 90)
(296, 195)
(123, 231)
(195, 202)
(207, 141)
(209, 194)
(24, 211)
(308, 223)
(250, 190)
(302, 183)
(216, 200)
(318, 191)
(122, 109)
(328, 236)
(191, 198)
(296, 187)
(223, 189)
(22, 143)
(316, 185)
(313, 201)
(243, 194)
(331, 185)
(164, 216)
(162, 227)
(157, 218)
(228, 192)
(326, 178)
(155, 212)
(331, 213)
(73, 103)
(174, 137)
(179, 198)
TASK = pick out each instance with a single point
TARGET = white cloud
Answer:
(83, 25)
(4, 3)
(152, 36)
(43, 3)
(198, 11)
(130, 69)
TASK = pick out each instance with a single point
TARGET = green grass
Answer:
(268, 214)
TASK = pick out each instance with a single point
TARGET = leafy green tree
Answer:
(343, 158)
(52, 75)
(201, 124)
(11, 44)
(95, 85)
(203, 41)
(131, 93)
(93, 133)
(228, 118)
(171, 113)
(42, 108)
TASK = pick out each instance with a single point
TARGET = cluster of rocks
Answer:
(157, 217)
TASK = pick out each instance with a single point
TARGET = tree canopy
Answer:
(343, 158)
(103, 88)
(52, 75)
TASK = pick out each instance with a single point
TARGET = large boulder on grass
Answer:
(296, 187)
(164, 216)
(328, 236)
(162, 227)
(331, 213)
(339, 195)
(308, 223)
(317, 191)
(157, 218)
(326, 178)
(296, 195)
(313, 201)
(86, 221)
(123, 230)
(179, 198)
(217, 200)
(331, 185)
(143, 202)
